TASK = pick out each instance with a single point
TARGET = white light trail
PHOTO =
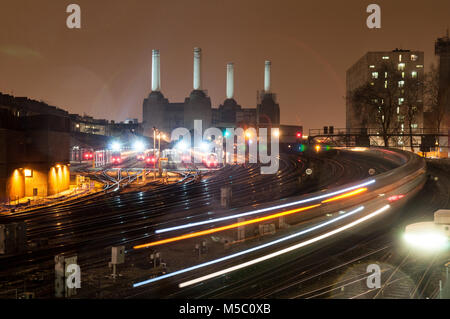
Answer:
(249, 250)
(285, 250)
(258, 211)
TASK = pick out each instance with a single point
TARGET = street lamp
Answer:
(138, 146)
(115, 146)
(154, 140)
(276, 132)
(425, 236)
(430, 236)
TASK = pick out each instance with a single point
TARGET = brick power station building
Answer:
(158, 112)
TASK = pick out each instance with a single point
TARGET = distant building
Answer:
(165, 116)
(442, 49)
(368, 69)
(89, 125)
(23, 106)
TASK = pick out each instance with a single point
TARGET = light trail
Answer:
(346, 195)
(285, 250)
(247, 251)
(262, 210)
(231, 226)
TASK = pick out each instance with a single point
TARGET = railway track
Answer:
(88, 227)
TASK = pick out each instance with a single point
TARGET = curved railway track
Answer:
(91, 225)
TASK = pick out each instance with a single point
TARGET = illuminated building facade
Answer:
(34, 155)
(368, 69)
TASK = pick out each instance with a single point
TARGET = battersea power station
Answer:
(159, 113)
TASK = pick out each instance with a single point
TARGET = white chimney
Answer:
(230, 80)
(267, 77)
(197, 77)
(156, 77)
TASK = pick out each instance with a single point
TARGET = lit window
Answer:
(414, 74)
(419, 66)
(401, 84)
(400, 100)
(414, 57)
(385, 84)
(414, 126)
(401, 66)
(403, 75)
(399, 58)
(385, 58)
(385, 74)
(372, 66)
(28, 172)
(398, 110)
(374, 75)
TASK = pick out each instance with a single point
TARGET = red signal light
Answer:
(299, 134)
(394, 198)
(88, 155)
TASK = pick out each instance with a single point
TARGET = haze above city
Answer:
(104, 69)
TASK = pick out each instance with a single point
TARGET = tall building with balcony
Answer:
(370, 68)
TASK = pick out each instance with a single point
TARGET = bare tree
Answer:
(412, 103)
(431, 98)
(378, 100)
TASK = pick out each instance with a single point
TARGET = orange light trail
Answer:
(346, 195)
(235, 225)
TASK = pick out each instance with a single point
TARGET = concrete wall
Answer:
(58, 179)
(15, 185)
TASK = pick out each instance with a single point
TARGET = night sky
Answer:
(104, 69)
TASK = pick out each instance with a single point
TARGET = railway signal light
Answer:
(151, 159)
